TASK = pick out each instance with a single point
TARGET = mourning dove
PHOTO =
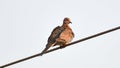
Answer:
(61, 35)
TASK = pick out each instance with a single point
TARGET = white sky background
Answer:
(25, 26)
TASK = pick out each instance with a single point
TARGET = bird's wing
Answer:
(52, 38)
(55, 34)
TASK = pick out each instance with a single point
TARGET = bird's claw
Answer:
(62, 47)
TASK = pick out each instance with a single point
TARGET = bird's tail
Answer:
(46, 48)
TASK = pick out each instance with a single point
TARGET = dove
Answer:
(61, 35)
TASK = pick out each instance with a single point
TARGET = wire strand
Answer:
(39, 54)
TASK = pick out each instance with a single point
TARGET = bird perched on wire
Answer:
(61, 35)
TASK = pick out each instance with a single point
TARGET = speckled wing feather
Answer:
(52, 38)
(55, 34)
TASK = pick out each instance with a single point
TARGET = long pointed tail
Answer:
(47, 47)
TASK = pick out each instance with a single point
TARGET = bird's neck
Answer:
(65, 25)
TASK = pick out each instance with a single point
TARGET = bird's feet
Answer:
(62, 46)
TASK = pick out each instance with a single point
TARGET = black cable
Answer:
(86, 38)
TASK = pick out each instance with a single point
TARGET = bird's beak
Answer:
(71, 22)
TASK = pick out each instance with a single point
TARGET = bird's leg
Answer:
(62, 46)
(61, 42)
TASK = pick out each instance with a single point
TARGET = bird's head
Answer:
(66, 20)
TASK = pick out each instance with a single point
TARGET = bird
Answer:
(61, 35)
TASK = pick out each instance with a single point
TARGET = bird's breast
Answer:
(66, 35)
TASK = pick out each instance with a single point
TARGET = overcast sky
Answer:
(25, 26)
